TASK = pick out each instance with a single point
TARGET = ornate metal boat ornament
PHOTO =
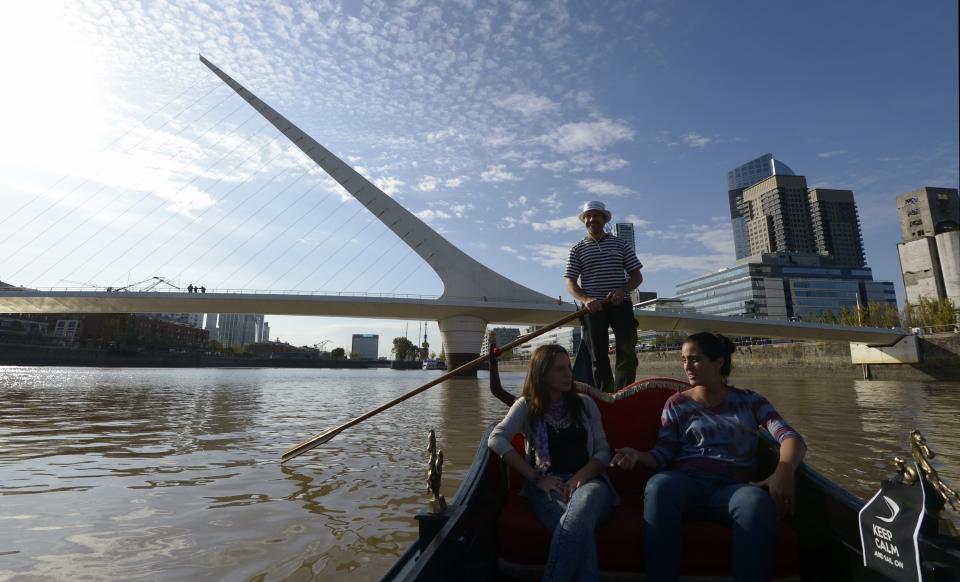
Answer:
(922, 453)
(435, 476)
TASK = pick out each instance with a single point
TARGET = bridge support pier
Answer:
(462, 337)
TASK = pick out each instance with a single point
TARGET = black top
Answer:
(568, 448)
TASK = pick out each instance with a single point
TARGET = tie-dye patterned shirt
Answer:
(717, 441)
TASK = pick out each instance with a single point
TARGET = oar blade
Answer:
(297, 450)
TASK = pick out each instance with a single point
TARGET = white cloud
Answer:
(587, 135)
(454, 182)
(718, 239)
(527, 104)
(520, 201)
(430, 215)
(497, 173)
(508, 249)
(552, 202)
(636, 220)
(831, 154)
(695, 140)
(390, 186)
(604, 188)
(444, 134)
(688, 263)
(550, 255)
(428, 184)
(566, 224)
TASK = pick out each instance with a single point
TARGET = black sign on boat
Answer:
(889, 527)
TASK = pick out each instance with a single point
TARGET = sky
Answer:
(123, 158)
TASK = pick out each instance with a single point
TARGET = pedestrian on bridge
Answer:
(602, 266)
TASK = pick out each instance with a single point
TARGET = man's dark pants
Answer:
(620, 318)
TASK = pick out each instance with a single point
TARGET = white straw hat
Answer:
(595, 207)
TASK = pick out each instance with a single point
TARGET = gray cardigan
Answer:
(517, 420)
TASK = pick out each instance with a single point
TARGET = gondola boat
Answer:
(488, 531)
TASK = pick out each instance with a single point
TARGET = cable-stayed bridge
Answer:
(473, 294)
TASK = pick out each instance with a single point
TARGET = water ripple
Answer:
(110, 474)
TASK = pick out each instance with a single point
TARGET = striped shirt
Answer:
(717, 441)
(601, 266)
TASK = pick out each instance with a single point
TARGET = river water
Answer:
(160, 474)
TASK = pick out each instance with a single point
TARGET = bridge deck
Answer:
(413, 307)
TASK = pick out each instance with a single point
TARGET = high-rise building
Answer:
(239, 329)
(625, 231)
(501, 335)
(777, 215)
(740, 178)
(211, 327)
(782, 286)
(930, 251)
(799, 250)
(265, 335)
(366, 346)
(836, 226)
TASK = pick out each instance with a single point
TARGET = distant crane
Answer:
(152, 283)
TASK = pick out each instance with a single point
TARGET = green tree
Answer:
(338, 353)
(403, 348)
(443, 356)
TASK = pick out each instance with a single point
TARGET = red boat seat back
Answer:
(631, 418)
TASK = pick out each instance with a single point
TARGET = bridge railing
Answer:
(285, 292)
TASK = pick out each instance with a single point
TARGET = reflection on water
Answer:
(174, 474)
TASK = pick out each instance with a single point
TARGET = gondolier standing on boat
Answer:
(602, 266)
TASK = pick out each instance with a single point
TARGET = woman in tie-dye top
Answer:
(705, 457)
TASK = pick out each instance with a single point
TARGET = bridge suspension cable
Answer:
(200, 79)
(208, 209)
(280, 233)
(316, 246)
(78, 186)
(255, 213)
(146, 195)
(171, 215)
(294, 243)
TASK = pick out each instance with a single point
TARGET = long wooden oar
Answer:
(326, 436)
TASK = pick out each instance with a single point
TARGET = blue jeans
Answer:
(573, 547)
(748, 509)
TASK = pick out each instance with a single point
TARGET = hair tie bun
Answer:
(728, 346)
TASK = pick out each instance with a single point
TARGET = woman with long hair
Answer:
(566, 459)
(705, 458)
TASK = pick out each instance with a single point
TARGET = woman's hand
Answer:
(549, 483)
(625, 458)
(782, 489)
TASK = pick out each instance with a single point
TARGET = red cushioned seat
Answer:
(632, 420)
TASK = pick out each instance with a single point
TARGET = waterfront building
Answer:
(836, 226)
(568, 337)
(237, 330)
(191, 319)
(67, 330)
(777, 216)
(211, 327)
(625, 231)
(17, 328)
(930, 249)
(366, 346)
(740, 178)
(502, 336)
(783, 286)
(265, 335)
(647, 337)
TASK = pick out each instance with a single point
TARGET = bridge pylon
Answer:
(463, 277)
